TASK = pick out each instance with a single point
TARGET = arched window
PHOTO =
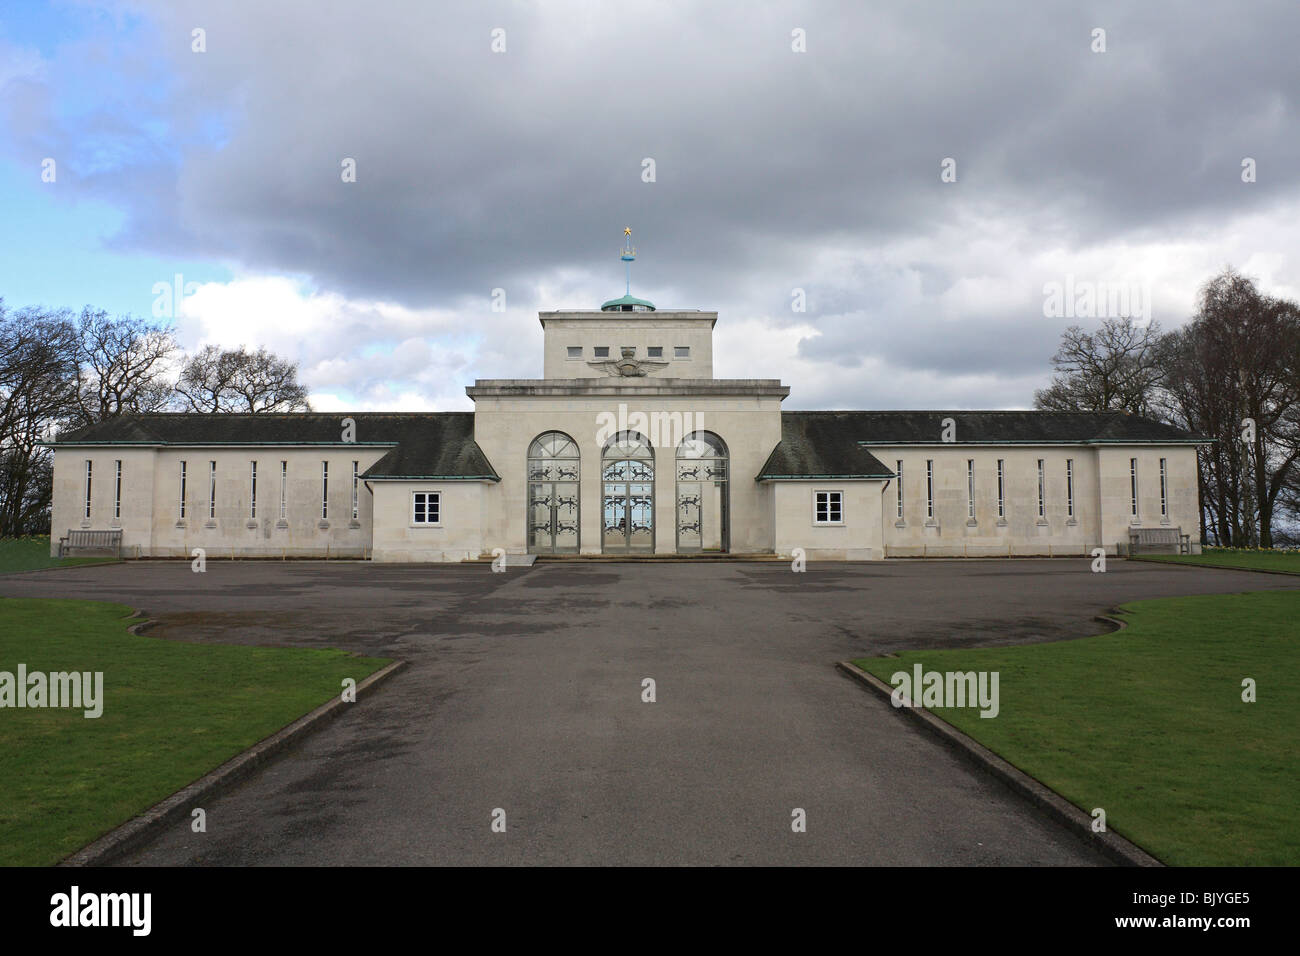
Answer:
(553, 472)
(553, 456)
(628, 474)
(703, 518)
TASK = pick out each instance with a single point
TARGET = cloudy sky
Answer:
(795, 146)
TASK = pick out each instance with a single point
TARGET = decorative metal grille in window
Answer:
(627, 494)
(554, 465)
(703, 500)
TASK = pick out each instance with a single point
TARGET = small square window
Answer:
(601, 351)
(575, 351)
(426, 507)
(655, 351)
(681, 351)
(828, 507)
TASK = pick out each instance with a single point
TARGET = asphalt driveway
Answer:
(525, 693)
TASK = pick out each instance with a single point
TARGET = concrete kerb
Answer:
(1110, 844)
(174, 810)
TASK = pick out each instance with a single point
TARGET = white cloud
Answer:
(900, 327)
(352, 353)
(775, 171)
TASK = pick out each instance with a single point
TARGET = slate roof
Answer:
(441, 445)
(425, 444)
(836, 444)
(821, 445)
(1010, 427)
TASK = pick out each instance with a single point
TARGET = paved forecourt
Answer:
(525, 693)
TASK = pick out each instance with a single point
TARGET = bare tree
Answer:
(37, 389)
(1237, 363)
(237, 380)
(122, 366)
(1201, 396)
(1234, 376)
(1116, 368)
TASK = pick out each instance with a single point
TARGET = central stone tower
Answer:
(628, 339)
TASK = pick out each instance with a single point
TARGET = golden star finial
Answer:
(627, 230)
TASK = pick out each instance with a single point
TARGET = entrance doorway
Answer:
(703, 503)
(627, 503)
(553, 495)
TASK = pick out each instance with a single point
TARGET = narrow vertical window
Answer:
(1133, 486)
(88, 470)
(284, 486)
(356, 474)
(970, 489)
(1002, 490)
(212, 490)
(929, 488)
(1164, 490)
(182, 489)
(1042, 482)
(117, 488)
(899, 469)
(252, 489)
(1069, 487)
(324, 489)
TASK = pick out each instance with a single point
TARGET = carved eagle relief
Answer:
(628, 366)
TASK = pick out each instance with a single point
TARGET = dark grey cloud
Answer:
(479, 170)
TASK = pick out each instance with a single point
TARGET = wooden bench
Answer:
(1162, 540)
(91, 542)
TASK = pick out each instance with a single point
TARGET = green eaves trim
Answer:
(225, 444)
(1028, 441)
(821, 477)
(1151, 441)
(87, 444)
(431, 477)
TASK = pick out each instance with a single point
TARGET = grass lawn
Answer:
(171, 712)
(28, 554)
(1148, 723)
(1225, 558)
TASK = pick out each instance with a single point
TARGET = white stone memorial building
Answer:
(626, 445)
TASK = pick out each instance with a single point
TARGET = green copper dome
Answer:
(628, 303)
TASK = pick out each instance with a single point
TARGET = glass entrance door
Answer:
(627, 500)
(703, 521)
(553, 518)
(629, 516)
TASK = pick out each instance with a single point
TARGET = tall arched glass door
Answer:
(553, 495)
(703, 516)
(628, 473)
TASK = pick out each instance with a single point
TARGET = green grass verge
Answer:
(171, 713)
(30, 554)
(1286, 561)
(1148, 723)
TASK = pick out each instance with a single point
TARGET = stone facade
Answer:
(445, 487)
